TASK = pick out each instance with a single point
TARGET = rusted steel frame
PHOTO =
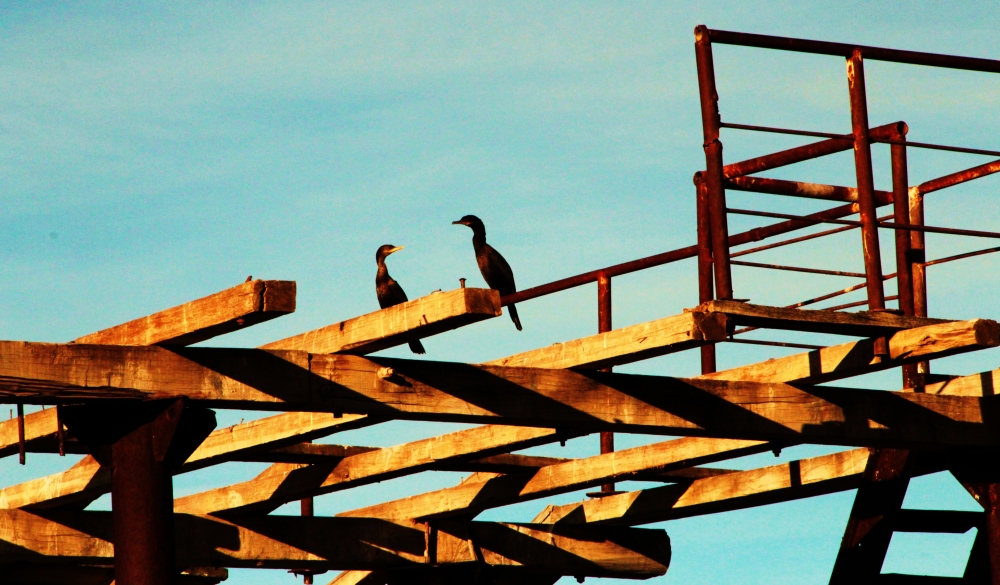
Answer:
(801, 153)
(959, 177)
(60, 433)
(775, 130)
(795, 189)
(858, 304)
(603, 326)
(930, 146)
(753, 235)
(961, 256)
(904, 269)
(716, 191)
(775, 343)
(797, 240)
(846, 49)
(869, 527)
(918, 256)
(881, 224)
(798, 269)
(705, 287)
(20, 434)
(866, 186)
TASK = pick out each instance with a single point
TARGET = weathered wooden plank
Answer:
(550, 398)
(858, 357)
(626, 345)
(732, 491)
(472, 497)
(981, 384)
(318, 543)
(40, 429)
(435, 313)
(235, 308)
(283, 483)
(76, 487)
(240, 441)
(862, 323)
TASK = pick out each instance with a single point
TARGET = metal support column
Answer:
(901, 216)
(708, 364)
(711, 121)
(918, 256)
(604, 325)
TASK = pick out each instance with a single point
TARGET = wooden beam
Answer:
(87, 480)
(283, 483)
(40, 429)
(447, 392)
(938, 521)
(472, 497)
(981, 384)
(230, 310)
(323, 543)
(435, 313)
(626, 345)
(858, 357)
(862, 323)
(734, 491)
(239, 442)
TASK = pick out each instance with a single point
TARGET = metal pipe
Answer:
(881, 224)
(21, 450)
(930, 146)
(800, 153)
(774, 130)
(858, 304)
(603, 326)
(753, 235)
(797, 240)
(306, 510)
(705, 290)
(774, 343)
(799, 269)
(846, 50)
(961, 256)
(60, 432)
(918, 256)
(866, 186)
(904, 270)
(959, 177)
(142, 512)
(795, 189)
(716, 191)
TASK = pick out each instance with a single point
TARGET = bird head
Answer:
(385, 250)
(473, 222)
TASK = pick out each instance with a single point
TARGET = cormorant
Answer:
(496, 271)
(388, 290)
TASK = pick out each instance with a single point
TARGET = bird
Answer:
(388, 290)
(496, 271)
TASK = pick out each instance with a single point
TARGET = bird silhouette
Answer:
(388, 290)
(496, 271)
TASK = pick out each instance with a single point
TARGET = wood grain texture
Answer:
(858, 357)
(472, 497)
(283, 483)
(76, 487)
(732, 491)
(625, 345)
(538, 397)
(287, 542)
(862, 323)
(39, 428)
(243, 305)
(981, 384)
(435, 313)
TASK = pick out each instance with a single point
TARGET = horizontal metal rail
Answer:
(959, 177)
(775, 130)
(774, 343)
(881, 224)
(798, 269)
(938, 146)
(799, 239)
(846, 49)
(961, 256)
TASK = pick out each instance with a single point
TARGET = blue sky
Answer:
(152, 154)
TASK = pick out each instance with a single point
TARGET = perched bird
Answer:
(496, 271)
(388, 290)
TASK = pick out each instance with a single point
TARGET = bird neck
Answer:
(383, 271)
(478, 238)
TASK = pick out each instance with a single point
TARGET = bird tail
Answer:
(417, 347)
(513, 316)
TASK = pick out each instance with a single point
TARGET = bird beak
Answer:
(396, 249)
(459, 223)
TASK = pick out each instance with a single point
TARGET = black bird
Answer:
(388, 290)
(496, 271)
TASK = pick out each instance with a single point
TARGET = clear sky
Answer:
(153, 154)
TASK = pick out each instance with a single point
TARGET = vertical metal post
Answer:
(716, 193)
(60, 432)
(866, 182)
(21, 450)
(604, 325)
(306, 511)
(142, 511)
(708, 364)
(901, 216)
(918, 256)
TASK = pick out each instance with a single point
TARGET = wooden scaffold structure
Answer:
(137, 401)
